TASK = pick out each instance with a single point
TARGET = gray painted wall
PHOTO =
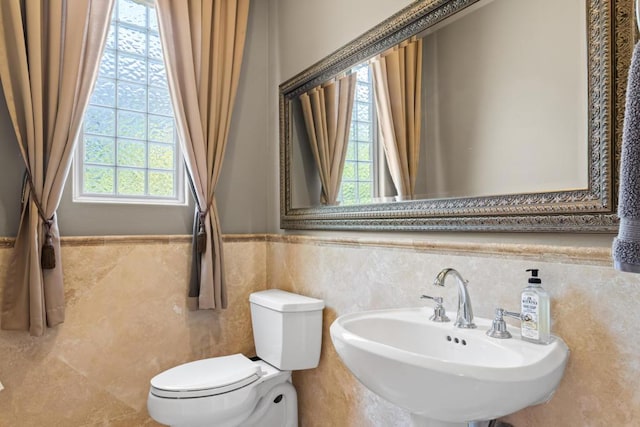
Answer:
(242, 189)
(284, 38)
(304, 31)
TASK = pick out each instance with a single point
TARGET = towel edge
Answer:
(626, 267)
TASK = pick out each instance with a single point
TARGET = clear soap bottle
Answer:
(535, 309)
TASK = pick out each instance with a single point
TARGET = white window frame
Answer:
(180, 181)
(80, 197)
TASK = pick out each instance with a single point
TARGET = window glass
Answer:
(358, 177)
(128, 150)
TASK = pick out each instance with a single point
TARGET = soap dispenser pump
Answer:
(535, 303)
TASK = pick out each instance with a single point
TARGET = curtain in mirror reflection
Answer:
(397, 77)
(327, 116)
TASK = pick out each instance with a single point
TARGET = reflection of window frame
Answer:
(354, 145)
(177, 169)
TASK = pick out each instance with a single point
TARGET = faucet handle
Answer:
(439, 314)
(499, 326)
(519, 316)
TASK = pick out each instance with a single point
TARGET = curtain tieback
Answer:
(201, 238)
(48, 254)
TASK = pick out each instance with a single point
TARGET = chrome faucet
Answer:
(464, 319)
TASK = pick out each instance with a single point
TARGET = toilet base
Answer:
(278, 408)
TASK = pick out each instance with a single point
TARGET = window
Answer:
(128, 150)
(358, 175)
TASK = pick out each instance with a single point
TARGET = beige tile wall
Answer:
(126, 321)
(594, 309)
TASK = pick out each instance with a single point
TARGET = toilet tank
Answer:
(287, 328)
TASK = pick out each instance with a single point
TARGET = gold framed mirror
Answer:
(584, 204)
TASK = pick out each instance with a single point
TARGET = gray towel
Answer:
(626, 247)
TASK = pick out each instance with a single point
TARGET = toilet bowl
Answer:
(225, 392)
(231, 391)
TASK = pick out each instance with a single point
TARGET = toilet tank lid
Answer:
(284, 301)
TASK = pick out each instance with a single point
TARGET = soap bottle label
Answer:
(530, 308)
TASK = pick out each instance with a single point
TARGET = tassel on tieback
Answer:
(201, 237)
(48, 254)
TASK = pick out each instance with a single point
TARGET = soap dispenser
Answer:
(535, 309)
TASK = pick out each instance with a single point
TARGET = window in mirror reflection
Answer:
(358, 178)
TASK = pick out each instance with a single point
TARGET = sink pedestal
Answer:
(422, 421)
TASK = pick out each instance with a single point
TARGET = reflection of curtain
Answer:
(327, 114)
(203, 41)
(397, 79)
(49, 57)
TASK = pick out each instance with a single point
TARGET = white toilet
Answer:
(233, 391)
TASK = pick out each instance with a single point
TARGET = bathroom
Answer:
(126, 273)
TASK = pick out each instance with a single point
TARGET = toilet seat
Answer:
(207, 377)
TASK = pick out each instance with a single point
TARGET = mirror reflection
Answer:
(492, 101)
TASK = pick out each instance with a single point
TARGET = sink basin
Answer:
(446, 376)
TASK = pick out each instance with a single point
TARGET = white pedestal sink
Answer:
(446, 376)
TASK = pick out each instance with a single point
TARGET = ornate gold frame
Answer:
(611, 34)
